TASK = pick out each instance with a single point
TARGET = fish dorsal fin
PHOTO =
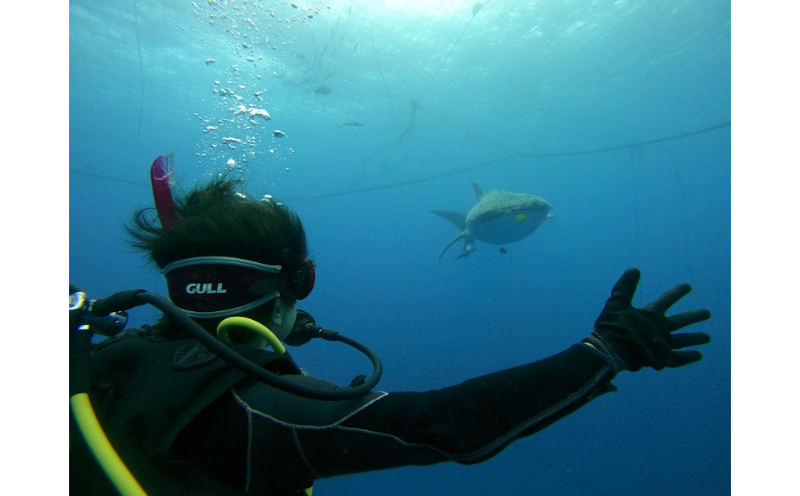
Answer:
(478, 191)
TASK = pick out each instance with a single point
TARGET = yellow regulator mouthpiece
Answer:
(251, 325)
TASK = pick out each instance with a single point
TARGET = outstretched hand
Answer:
(644, 337)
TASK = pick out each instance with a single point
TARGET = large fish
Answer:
(499, 217)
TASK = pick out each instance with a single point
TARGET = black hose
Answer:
(255, 371)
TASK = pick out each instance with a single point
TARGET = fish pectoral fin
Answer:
(461, 235)
(460, 220)
(550, 216)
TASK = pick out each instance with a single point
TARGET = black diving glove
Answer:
(304, 330)
(632, 338)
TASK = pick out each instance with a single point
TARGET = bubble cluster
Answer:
(246, 46)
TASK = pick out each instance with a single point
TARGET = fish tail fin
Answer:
(451, 243)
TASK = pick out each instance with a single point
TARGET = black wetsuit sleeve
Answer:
(476, 419)
(288, 441)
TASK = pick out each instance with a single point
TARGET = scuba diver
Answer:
(196, 404)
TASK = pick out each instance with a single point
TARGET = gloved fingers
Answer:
(688, 339)
(688, 318)
(681, 358)
(626, 285)
(666, 300)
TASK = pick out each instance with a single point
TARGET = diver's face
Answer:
(280, 320)
(284, 316)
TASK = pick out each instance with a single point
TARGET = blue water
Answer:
(617, 114)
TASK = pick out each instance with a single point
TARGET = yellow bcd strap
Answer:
(101, 448)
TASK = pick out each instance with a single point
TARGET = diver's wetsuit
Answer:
(207, 429)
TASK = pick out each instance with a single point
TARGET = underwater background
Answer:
(617, 113)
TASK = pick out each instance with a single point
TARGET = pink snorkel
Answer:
(160, 177)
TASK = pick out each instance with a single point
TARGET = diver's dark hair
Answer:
(216, 220)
